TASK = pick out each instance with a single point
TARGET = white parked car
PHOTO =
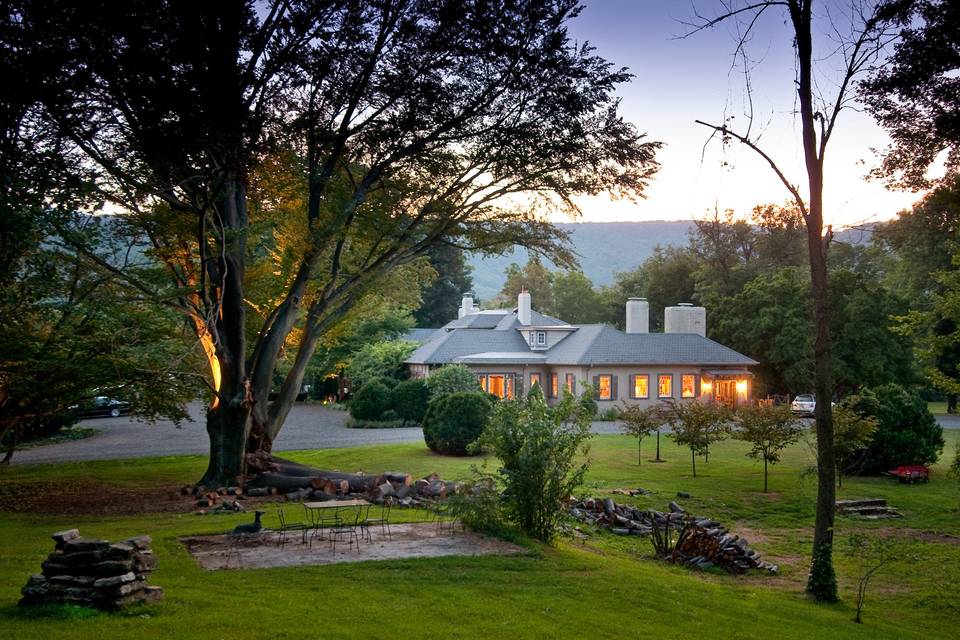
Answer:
(804, 404)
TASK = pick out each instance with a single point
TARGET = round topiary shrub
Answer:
(386, 381)
(452, 378)
(455, 421)
(409, 400)
(370, 401)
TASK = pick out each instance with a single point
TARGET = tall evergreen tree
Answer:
(440, 300)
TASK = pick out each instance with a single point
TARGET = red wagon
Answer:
(911, 473)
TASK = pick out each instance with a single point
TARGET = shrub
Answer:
(370, 401)
(587, 403)
(452, 378)
(409, 399)
(380, 360)
(538, 447)
(907, 433)
(480, 507)
(455, 421)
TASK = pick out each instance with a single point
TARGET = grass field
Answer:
(605, 587)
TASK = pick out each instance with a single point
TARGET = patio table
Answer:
(338, 524)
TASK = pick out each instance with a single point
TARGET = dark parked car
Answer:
(100, 407)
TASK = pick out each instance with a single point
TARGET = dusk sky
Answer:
(680, 80)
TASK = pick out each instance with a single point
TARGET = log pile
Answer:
(676, 535)
(94, 573)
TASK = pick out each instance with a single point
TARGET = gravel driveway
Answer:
(309, 426)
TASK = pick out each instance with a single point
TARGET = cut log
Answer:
(398, 477)
(282, 483)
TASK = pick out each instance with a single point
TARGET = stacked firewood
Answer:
(94, 573)
(676, 535)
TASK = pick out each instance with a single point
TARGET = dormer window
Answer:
(541, 338)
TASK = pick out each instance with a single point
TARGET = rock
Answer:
(77, 545)
(63, 537)
(258, 491)
(140, 542)
(676, 508)
(114, 581)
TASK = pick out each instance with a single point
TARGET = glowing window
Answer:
(509, 380)
(641, 386)
(688, 386)
(554, 385)
(570, 382)
(604, 387)
(665, 386)
(535, 379)
(497, 385)
(483, 382)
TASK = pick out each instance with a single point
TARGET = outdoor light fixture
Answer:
(741, 386)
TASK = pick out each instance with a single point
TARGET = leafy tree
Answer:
(535, 278)
(440, 300)
(852, 434)
(641, 422)
(769, 429)
(575, 299)
(380, 359)
(914, 96)
(409, 399)
(540, 449)
(665, 278)
(696, 425)
(907, 433)
(451, 378)
(411, 125)
(455, 421)
(726, 248)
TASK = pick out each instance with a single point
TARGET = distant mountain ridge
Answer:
(608, 247)
(604, 249)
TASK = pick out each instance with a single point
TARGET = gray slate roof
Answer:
(602, 344)
(465, 342)
(420, 335)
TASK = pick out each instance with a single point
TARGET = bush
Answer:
(409, 399)
(538, 447)
(389, 383)
(455, 421)
(370, 401)
(907, 433)
(380, 360)
(452, 378)
(587, 403)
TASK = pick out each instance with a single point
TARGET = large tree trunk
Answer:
(227, 427)
(822, 582)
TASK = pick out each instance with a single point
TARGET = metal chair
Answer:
(383, 521)
(346, 526)
(286, 527)
(318, 523)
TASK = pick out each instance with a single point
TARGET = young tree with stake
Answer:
(769, 429)
(695, 425)
(639, 423)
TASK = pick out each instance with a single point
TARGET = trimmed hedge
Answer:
(409, 399)
(455, 421)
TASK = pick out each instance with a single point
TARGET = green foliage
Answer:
(587, 402)
(575, 299)
(409, 399)
(455, 421)
(640, 423)
(696, 425)
(370, 401)
(536, 278)
(822, 581)
(451, 378)
(441, 299)
(479, 507)
(852, 433)
(769, 429)
(954, 471)
(383, 359)
(538, 447)
(535, 391)
(907, 433)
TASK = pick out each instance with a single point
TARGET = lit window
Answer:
(554, 385)
(688, 386)
(509, 392)
(641, 386)
(604, 387)
(570, 382)
(665, 386)
(541, 338)
(535, 379)
(497, 386)
(483, 382)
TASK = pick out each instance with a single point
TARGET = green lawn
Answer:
(608, 587)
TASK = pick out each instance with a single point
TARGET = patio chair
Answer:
(383, 521)
(318, 523)
(287, 527)
(346, 529)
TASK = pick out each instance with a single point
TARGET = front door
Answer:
(726, 392)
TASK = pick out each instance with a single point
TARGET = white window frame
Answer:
(541, 338)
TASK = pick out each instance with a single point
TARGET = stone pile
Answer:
(685, 539)
(94, 573)
(868, 509)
